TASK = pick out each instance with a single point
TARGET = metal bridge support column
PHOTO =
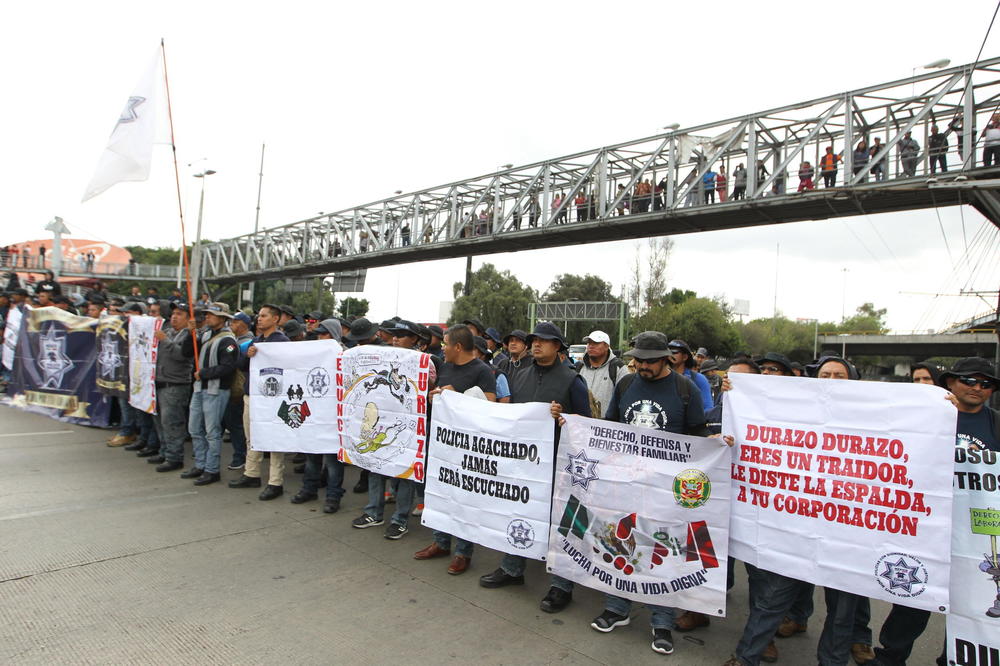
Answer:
(752, 156)
(546, 196)
(968, 123)
(602, 185)
(671, 173)
(531, 317)
(848, 139)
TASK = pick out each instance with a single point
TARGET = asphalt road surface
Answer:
(105, 561)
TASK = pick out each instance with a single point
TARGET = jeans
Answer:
(939, 159)
(991, 156)
(900, 630)
(128, 426)
(661, 617)
(771, 597)
(514, 565)
(829, 178)
(147, 429)
(314, 472)
(839, 629)
(172, 420)
(376, 498)
(462, 547)
(205, 425)
(802, 609)
(233, 422)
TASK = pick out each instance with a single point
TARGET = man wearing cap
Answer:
(318, 464)
(49, 285)
(544, 379)
(475, 326)
(460, 372)
(217, 359)
(656, 397)
(492, 338)
(45, 294)
(684, 364)
(174, 366)
(267, 331)
(294, 330)
(699, 357)
(972, 382)
(233, 419)
(312, 321)
(600, 368)
(437, 337)
(287, 314)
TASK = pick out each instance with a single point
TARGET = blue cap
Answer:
(243, 317)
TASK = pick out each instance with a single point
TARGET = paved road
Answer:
(102, 560)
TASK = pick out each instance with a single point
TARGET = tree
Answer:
(569, 287)
(865, 320)
(698, 321)
(495, 298)
(353, 307)
(779, 334)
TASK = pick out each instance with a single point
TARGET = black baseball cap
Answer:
(402, 327)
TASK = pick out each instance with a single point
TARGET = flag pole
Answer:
(180, 207)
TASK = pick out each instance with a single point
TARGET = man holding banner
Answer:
(545, 379)
(660, 399)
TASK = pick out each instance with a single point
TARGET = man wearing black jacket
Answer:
(217, 359)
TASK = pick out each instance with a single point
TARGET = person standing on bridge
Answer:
(828, 166)
(721, 184)
(708, 183)
(806, 173)
(861, 157)
(937, 149)
(879, 166)
(991, 149)
(909, 155)
(739, 182)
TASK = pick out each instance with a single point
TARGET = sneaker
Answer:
(418, 511)
(395, 531)
(607, 621)
(364, 520)
(235, 465)
(663, 641)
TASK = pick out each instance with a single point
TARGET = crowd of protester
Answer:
(682, 390)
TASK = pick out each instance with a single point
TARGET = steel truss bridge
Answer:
(535, 206)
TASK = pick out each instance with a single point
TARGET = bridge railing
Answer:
(83, 268)
(758, 155)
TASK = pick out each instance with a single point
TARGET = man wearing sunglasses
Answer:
(972, 381)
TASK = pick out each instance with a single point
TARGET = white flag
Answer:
(130, 148)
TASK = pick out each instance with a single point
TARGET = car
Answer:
(576, 352)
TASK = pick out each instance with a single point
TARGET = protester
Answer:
(683, 361)
(217, 359)
(600, 369)
(460, 372)
(267, 331)
(545, 379)
(323, 466)
(174, 367)
(925, 373)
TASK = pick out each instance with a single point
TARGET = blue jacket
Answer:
(702, 384)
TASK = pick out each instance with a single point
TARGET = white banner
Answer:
(489, 474)
(974, 620)
(642, 514)
(383, 427)
(142, 346)
(293, 398)
(845, 484)
(12, 327)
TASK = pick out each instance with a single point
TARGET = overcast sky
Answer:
(357, 101)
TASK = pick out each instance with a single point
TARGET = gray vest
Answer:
(535, 383)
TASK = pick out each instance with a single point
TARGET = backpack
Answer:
(614, 365)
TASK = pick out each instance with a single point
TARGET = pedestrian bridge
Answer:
(670, 184)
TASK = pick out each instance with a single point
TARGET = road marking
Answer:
(28, 434)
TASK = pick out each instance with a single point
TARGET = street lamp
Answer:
(937, 64)
(672, 127)
(196, 258)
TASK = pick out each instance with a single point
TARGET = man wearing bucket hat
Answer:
(218, 354)
(544, 379)
(654, 397)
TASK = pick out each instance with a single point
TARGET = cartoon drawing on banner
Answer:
(986, 522)
(382, 392)
(109, 357)
(52, 358)
(140, 343)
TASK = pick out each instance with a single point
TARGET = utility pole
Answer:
(468, 276)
